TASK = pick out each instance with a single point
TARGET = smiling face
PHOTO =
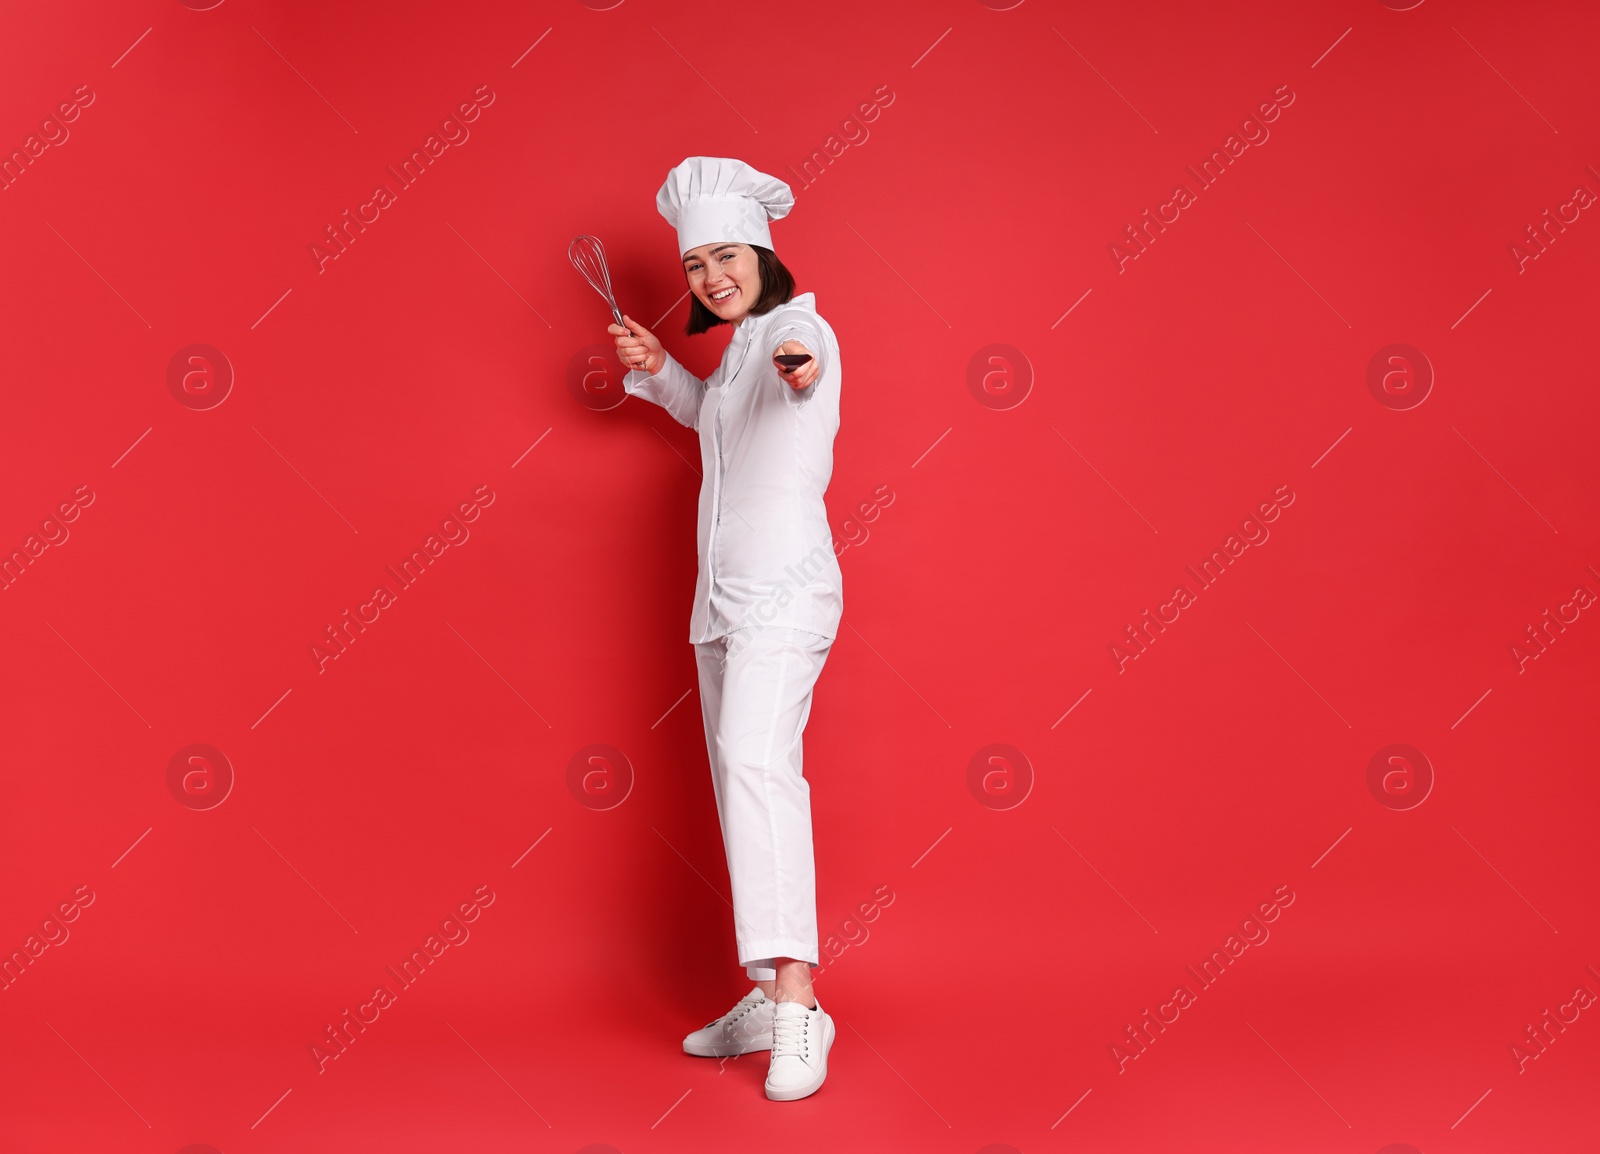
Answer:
(726, 276)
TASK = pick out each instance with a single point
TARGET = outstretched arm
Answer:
(655, 376)
(799, 334)
(673, 387)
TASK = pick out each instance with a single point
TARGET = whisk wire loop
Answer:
(588, 256)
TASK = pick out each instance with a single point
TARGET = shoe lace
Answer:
(742, 1007)
(790, 1035)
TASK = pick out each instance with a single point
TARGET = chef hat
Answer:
(710, 198)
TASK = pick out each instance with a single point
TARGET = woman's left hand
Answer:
(803, 376)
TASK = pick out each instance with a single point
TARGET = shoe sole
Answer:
(722, 1050)
(806, 1089)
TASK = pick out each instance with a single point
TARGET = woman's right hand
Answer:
(637, 348)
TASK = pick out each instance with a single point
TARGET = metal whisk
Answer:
(588, 256)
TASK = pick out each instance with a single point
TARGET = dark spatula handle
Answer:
(792, 360)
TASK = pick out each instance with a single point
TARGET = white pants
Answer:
(755, 697)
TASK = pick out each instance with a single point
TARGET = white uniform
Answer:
(767, 605)
(766, 454)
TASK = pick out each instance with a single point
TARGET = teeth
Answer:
(722, 296)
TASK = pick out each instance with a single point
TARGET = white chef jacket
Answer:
(766, 454)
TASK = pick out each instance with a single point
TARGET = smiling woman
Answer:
(738, 272)
(769, 594)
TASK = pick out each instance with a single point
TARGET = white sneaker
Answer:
(746, 1027)
(801, 1039)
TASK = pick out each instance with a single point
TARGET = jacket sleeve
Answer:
(795, 325)
(674, 388)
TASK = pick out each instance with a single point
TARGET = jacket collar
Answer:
(749, 325)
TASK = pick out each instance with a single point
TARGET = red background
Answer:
(1031, 921)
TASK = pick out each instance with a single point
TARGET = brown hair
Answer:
(777, 287)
